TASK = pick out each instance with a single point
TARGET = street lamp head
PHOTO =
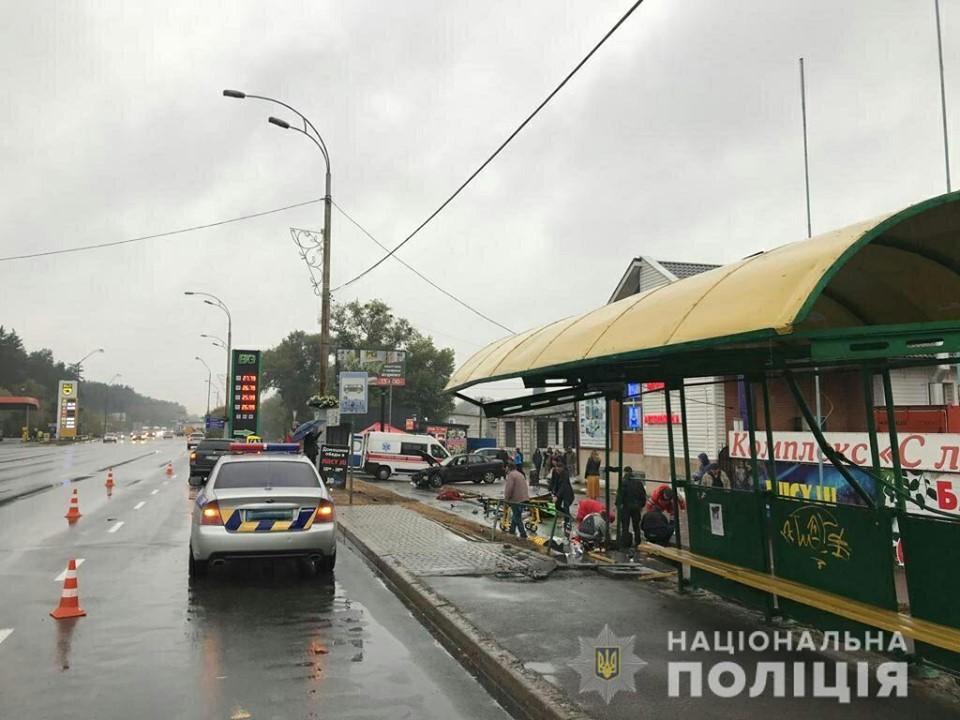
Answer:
(197, 357)
(189, 292)
(209, 302)
(279, 123)
(234, 94)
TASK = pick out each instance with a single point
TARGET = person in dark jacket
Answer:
(631, 498)
(701, 471)
(310, 447)
(561, 489)
(656, 527)
(537, 458)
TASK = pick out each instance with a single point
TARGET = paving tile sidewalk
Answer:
(544, 624)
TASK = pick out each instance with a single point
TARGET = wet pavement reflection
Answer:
(252, 639)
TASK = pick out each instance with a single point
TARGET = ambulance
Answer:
(385, 454)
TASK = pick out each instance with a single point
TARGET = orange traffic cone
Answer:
(73, 512)
(169, 469)
(69, 606)
(109, 483)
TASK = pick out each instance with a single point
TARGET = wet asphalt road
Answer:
(254, 640)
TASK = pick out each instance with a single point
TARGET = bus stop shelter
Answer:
(863, 300)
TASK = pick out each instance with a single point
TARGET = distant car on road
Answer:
(263, 505)
(137, 436)
(194, 439)
(500, 454)
(111, 438)
(168, 434)
(205, 456)
(471, 467)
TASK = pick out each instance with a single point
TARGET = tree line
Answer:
(37, 373)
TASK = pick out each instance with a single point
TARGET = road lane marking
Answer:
(63, 575)
(139, 504)
(154, 492)
(115, 527)
(5, 633)
(164, 482)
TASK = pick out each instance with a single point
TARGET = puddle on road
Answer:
(288, 633)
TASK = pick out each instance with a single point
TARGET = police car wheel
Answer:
(324, 566)
(488, 478)
(197, 568)
(383, 473)
(435, 480)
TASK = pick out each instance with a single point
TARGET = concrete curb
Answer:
(523, 693)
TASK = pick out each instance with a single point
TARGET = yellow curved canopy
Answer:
(898, 269)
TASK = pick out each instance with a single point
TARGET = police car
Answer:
(263, 501)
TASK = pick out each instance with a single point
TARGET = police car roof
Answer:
(262, 457)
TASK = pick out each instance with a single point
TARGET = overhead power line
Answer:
(499, 149)
(168, 233)
(418, 273)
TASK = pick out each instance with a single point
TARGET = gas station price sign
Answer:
(245, 397)
(67, 409)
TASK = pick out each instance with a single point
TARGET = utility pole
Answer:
(943, 97)
(806, 183)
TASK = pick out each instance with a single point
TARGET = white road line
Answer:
(62, 576)
(5, 633)
(139, 504)
(154, 492)
(115, 527)
(164, 482)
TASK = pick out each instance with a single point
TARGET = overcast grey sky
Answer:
(680, 140)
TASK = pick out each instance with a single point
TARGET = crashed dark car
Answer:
(469, 467)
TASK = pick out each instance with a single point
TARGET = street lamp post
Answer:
(217, 302)
(77, 367)
(327, 203)
(209, 377)
(106, 402)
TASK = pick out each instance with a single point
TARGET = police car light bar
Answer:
(241, 448)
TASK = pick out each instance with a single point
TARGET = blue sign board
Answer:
(633, 417)
(353, 393)
(633, 390)
(215, 423)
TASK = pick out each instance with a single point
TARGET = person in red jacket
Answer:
(588, 506)
(663, 498)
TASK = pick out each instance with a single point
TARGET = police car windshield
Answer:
(265, 473)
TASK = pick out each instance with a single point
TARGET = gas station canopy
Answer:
(19, 403)
(880, 289)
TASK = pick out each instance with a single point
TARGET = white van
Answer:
(387, 453)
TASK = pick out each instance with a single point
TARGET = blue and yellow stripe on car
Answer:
(235, 523)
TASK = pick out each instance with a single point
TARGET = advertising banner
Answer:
(353, 393)
(592, 415)
(245, 396)
(383, 367)
(918, 451)
(333, 464)
(68, 408)
(930, 464)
